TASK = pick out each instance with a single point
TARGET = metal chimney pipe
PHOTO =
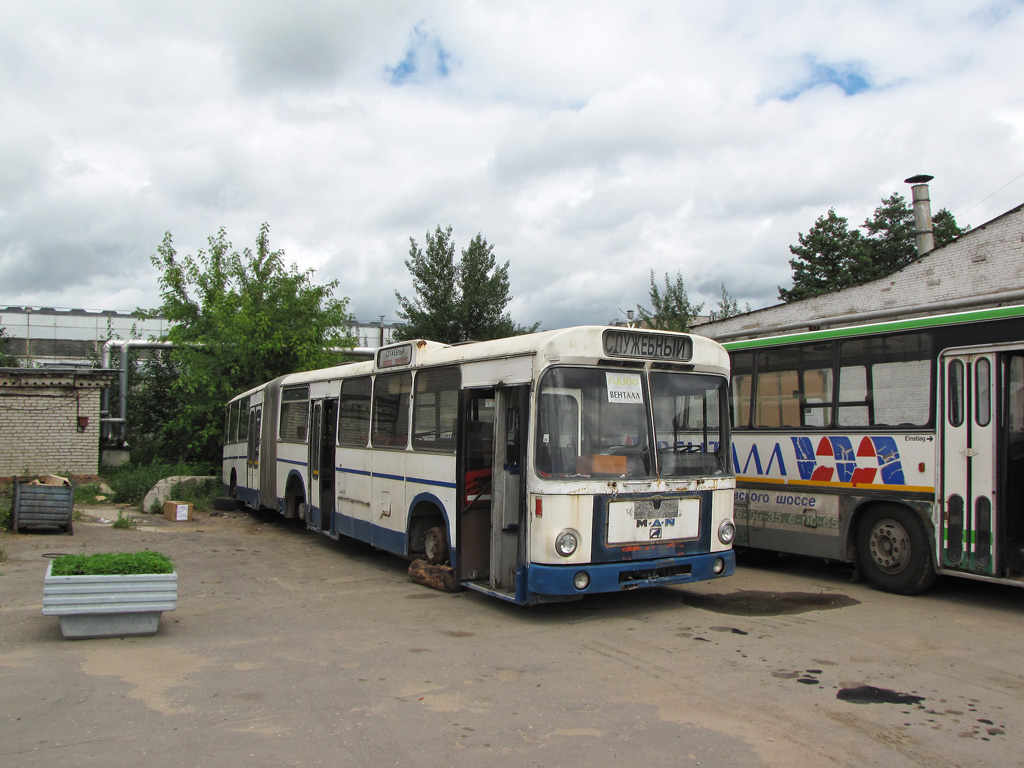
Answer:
(924, 236)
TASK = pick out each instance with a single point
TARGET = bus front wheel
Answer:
(436, 545)
(893, 551)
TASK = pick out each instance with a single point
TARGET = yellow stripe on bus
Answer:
(833, 484)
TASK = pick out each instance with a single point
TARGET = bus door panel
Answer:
(968, 449)
(313, 464)
(508, 500)
(252, 462)
(322, 438)
(1011, 467)
(328, 456)
(475, 468)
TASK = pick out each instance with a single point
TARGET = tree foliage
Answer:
(237, 319)
(671, 308)
(727, 306)
(7, 358)
(832, 256)
(456, 302)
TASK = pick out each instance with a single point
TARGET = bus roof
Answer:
(890, 326)
(581, 345)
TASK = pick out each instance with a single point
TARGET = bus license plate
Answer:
(644, 520)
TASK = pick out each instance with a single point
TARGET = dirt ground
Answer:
(289, 649)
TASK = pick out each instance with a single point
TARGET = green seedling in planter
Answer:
(112, 564)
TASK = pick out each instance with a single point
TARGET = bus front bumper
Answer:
(565, 580)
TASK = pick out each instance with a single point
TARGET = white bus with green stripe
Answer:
(897, 446)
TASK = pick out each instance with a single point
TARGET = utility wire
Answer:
(987, 197)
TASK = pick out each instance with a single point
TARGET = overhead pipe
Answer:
(122, 420)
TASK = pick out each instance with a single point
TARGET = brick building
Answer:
(982, 268)
(50, 421)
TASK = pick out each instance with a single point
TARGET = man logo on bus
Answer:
(876, 460)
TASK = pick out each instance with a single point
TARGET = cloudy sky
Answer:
(589, 141)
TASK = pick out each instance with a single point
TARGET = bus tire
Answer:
(225, 503)
(893, 550)
(436, 545)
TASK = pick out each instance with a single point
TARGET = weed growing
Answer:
(124, 522)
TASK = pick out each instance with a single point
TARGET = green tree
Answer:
(727, 306)
(945, 228)
(456, 302)
(891, 239)
(7, 358)
(671, 307)
(831, 256)
(827, 258)
(237, 319)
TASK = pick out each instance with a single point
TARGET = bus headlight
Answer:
(566, 542)
(726, 532)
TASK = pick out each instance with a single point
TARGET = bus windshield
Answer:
(688, 421)
(595, 423)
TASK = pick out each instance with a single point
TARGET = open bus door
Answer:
(322, 438)
(982, 450)
(491, 529)
(252, 459)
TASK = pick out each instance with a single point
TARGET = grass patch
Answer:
(112, 564)
(86, 493)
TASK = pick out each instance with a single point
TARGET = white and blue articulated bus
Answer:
(540, 467)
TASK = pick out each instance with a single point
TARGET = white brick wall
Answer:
(982, 268)
(39, 430)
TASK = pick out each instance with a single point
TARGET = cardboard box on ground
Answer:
(177, 511)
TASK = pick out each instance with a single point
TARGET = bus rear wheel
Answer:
(893, 551)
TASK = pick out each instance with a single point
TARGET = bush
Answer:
(200, 494)
(6, 506)
(112, 564)
(86, 493)
(132, 482)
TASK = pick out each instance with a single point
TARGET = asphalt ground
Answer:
(289, 649)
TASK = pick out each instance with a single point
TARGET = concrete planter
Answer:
(109, 606)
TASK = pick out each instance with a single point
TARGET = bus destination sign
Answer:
(660, 346)
(394, 357)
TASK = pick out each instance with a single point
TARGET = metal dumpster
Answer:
(43, 505)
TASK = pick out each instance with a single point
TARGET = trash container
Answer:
(43, 505)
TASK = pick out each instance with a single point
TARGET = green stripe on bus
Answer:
(915, 323)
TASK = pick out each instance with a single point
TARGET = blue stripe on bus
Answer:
(361, 472)
(399, 478)
(424, 481)
(292, 461)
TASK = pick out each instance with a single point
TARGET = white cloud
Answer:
(589, 142)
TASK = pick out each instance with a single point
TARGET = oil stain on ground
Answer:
(869, 694)
(752, 603)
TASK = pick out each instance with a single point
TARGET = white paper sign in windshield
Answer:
(624, 388)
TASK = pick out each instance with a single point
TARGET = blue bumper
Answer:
(557, 580)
